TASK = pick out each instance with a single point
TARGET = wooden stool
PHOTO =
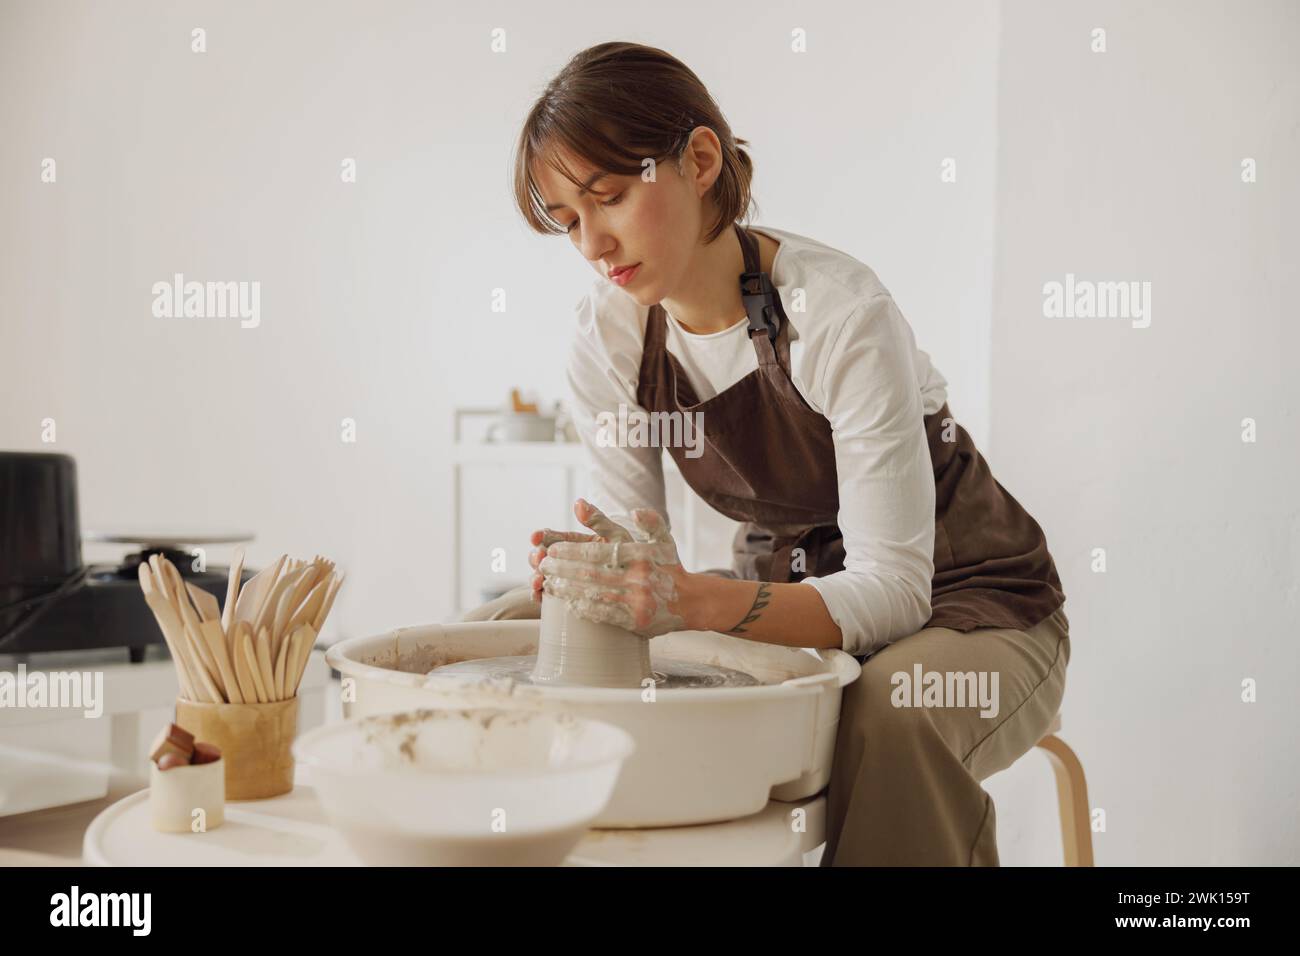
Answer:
(1071, 795)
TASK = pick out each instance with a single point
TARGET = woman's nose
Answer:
(595, 246)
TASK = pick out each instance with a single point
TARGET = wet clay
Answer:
(575, 652)
(665, 673)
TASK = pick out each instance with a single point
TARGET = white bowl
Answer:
(476, 787)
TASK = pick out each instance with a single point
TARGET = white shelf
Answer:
(531, 454)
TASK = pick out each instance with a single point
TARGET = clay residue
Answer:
(380, 728)
(504, 674)
(602, 611)
(422, 659)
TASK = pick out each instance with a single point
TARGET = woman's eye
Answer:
(612, 202)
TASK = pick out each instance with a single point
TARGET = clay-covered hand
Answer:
(605, 528)
(631, 583)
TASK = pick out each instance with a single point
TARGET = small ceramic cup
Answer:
(254, 740)
(177, 795)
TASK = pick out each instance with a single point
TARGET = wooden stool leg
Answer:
(1072, 796)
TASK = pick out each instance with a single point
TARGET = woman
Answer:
(870, 522)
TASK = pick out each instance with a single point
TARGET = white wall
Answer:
(376, 295)
(375, 306)
(1125, 165)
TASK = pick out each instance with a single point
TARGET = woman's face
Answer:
(656, 225)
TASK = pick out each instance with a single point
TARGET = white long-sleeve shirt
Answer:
(854, 359)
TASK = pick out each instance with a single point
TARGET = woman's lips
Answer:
(624, 276)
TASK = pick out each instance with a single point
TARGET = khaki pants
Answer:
(514, 605)
(905, 783)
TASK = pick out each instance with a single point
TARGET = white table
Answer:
(292, 830)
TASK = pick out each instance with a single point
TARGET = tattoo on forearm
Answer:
(756, 610)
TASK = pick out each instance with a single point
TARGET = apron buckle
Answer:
(761, 304)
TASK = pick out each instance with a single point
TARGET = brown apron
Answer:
(768, 461)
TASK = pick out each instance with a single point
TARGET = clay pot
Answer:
(575, 652)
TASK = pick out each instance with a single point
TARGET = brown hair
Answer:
(613, 105)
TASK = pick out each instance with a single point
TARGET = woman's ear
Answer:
(705, 150)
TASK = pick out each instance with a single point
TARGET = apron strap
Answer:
(748, 248)
(762, 303)
(656, 328)
(767, 321)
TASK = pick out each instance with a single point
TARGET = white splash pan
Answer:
(703, 755)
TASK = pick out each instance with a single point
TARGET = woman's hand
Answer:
(630, 579)
(634, 578)
(592, 517)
